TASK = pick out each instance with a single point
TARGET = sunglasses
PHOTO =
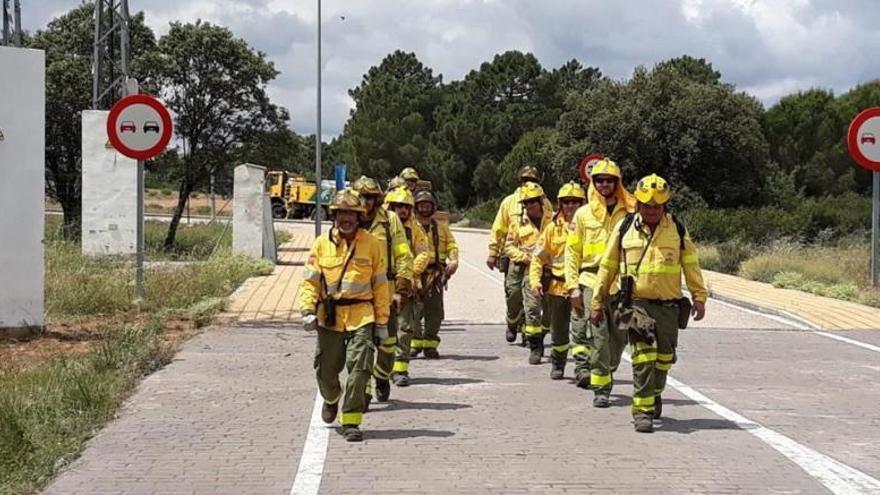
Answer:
(571, 201)
(531, 201)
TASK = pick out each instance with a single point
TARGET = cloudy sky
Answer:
(766, 47)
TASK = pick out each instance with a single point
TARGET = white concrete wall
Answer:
(22, 176)
(248, 210)
(109, 191)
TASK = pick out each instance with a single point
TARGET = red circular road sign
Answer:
(139, 126)
(863, 139)
(586, 165)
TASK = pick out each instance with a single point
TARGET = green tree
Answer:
(482, 118)
(696, 132)
(389, 127)
(68, 41)
(215, 84)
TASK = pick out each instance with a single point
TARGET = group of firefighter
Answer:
(373, 289)
(602, 271)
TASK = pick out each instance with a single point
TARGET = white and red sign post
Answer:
(139, 126)
(586, 166)
(863, 141)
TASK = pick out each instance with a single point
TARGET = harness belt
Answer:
(350, 302)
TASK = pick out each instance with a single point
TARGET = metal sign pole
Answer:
(875, 233)
(140, 293)
(132, 88)
(318, 209)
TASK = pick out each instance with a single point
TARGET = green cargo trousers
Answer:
(582, 335)
(406, 328)
(513, 291)
(537, 317)
(652, 362)
(558, 309)
(385, 355)
(429, 315)
(353, 350)
(609, 343)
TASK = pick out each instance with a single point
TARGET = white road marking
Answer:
(870, 347)
(835, 475)
(803, 326)
(311, 463)
(483, 272)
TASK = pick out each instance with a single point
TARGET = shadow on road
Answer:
(401, 434)
(686, 426)
(443, 381)
(398, 405)
(452, 329)
(460, 357)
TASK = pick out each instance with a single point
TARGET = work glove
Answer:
(381, 332)
(310, 322)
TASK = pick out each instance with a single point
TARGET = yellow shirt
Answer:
(659, 275)
(551, 251)
(523, 238)
(364, 279)
(418, 243)
(445, 249)
(396, 250)
(509, 212)
(587, 241)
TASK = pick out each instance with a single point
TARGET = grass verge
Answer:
(100, 343)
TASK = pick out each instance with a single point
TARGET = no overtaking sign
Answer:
(139, 127)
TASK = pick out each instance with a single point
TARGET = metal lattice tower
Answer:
(11, 23)
(110, 68)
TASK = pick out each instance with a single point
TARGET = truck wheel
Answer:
(279, 211)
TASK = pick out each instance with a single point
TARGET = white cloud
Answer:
(769, 48)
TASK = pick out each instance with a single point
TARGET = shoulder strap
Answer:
(345, 266)
(626, 224)
(387, 227)
(435, 236)
(682, 230)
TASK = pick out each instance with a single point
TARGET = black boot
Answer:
(658, 406)
(536, 344)
(383, 390)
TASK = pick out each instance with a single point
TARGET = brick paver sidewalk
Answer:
(273, 298)
(816, 311)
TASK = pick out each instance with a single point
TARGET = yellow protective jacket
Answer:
(387, 227)
(441, 243)
(659, 275)
(509, 213)
(418, 243)
(523, 238)
(365, 279)
(588, 239)
(551, 252)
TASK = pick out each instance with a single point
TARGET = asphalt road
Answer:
(756, 406)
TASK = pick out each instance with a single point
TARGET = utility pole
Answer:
(11, 23)
(318, 209)
(110, 68)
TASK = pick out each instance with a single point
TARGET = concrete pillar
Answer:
(252, 227)
(109, 191)
(22, 189)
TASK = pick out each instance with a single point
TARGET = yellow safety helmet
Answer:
(652, 190)
(401, 195)
(396, 182)
(571, 190)
(367, 185)
(409, 173)
(425, 195)
(529, 172)
(529, 191)
(606, 167)
(348, 200)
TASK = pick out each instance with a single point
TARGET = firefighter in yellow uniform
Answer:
(522, 242)
(596, 348)
(387, 227)
(653, 250)
(410, 178)
(401, 202)
(344, 295)
(442, 264)
(509, 213)
(547, 274)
